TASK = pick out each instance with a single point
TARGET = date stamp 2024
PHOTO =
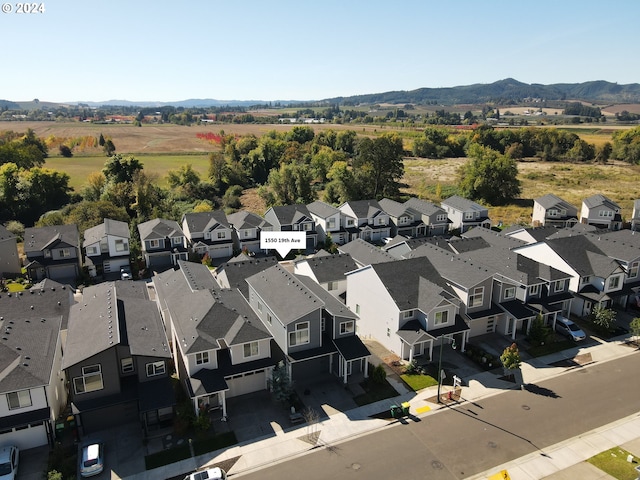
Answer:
(23, 8)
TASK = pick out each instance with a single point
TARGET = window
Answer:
(64, 252)
(19, 399)
(403, 220)
(614, 282)
(126, 365)
(300, 335)
(246, 233)
(509, 292)
(633, 270)
(251, 349)
(155, 368)
(332, 286)
(441, 318)
(407, 314)
(552, 212)
(92, 250)
(269, 319)
(441, 218)
(559, 285)
(259, 307)
(585, 280)
(323, 324)
(477, 297)
(380, 221)
(154, 243)
(347, 327)
(47, 254)
(357, 308)
(605, 213)
(121, 246)
(222, 234)
(90, 381)
(306, 227)
(349, 222)
(176, 241)
(534, 290)
(332, 222)
(468, 215)
(202, 357)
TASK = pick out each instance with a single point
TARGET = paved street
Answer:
(475, 437)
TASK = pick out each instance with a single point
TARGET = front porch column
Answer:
(465, 336)
(344, 374)
(514, 329)
(410, 352)
(330, 362)
(196, 408)
(223, 397)
(366, 368)
(431, 350)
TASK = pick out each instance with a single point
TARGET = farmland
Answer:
(165, 147)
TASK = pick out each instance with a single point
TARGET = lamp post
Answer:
(440, 372)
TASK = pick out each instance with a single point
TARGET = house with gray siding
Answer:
(328, 221)
(10, 265)
(601, 212)
(106, 248)
(293, 218)
(208, 233)
(163, 243)
(551, 210)
(366, 220)
(327, 270)
(435, 218)
(246, 229)
(465, 214)
(53, 252)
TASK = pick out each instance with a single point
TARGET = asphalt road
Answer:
(475, 437)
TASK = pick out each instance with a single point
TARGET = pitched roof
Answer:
(159, 228)
(322, 209)
(423, 206)
(494, 238)
(599, 199)
(331, 304)
(5, 234)
(393, 208)
(622, 245)
(550, 200)
(284, 294)
(583, 256)
(237, 272)
(462, 204)
(37, 239)
(241, 220)
(364, 208)
(202, 221)
(365, 253)
(30, 323)
(327, 268)
(290, 214)
(108, 227)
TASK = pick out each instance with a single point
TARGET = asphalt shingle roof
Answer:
(322, 209)
(365, 253)
(37, 239)
(159, 228)
(327, 268)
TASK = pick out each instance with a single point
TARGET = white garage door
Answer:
(25, 438)
(248, 383)
(220, 251)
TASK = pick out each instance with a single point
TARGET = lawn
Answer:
(374, 392)
(550, 347)
(614, 462)
(181, 452)
(418, 382)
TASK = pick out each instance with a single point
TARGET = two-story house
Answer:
(328, 222)
(221, 348)
(117, 359)
(366, 220)
(106, 247)
(434, 217)
(9, 258)
(293, 218)
(247, 227)
(53, 252)
(163, 243)
(32, 387)
(406, 306)
(327, 270)
(635, 216)
(208, 233)
(465, 214)
(297, 319)
(601, 212)
(551, 210)
(233, 274)
(403, 220)
(364, 253)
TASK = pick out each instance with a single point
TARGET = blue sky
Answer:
(98, 50)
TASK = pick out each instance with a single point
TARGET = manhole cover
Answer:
(492, 445)
(437, 465)
(355, 466)
(526, 407)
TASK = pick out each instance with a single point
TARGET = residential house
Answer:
(106, 247)
(9, 259)
(327, 270)
(53, 252)
(400, 246)
(406, 306)
(246, 229)
(465, 214)
(32, 384)
(328, 222)
(233, 274)
(117, 359)
(366, 220)
(221, 348)
(208, 233)
(530, 234)
(402, 219)
(635, 216)
(364, 253)
(297, 319)
(163, 243)
(595, 277)
(293, 218)
(601, 212)
(434, 217)
(551, 210)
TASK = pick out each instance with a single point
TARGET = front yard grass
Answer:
(182, 452)
(418, 382)
(550, 347)
(614, 462)
(374, 391)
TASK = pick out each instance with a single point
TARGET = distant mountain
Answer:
(190, 103)
(504, 92)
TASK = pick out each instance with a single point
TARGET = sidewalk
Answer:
(344, 426)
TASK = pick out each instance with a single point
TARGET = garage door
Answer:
(63, 272)
(159, 260)
(27, 437)
(220, 252)
(108, 417)
(248, 383)
(306, 370)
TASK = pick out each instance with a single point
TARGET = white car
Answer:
(209, 474)
(9, 457)
(92, 460)
(566, 327)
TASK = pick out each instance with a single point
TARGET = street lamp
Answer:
(441, 375)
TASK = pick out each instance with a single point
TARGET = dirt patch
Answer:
(577, 361)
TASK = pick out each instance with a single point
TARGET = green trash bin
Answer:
(396, 411)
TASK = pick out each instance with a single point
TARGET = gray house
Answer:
(163, 243)
(32, 383)
(247, 227)
(465, 214)
(601, 212)
(9, 258)
(208, 232)
(122, 374)
(434, 217)
(366, 220)
(293, 218)
(53, 252)
(328, 222)
(635, 216)
(551, 210)
(106, 247)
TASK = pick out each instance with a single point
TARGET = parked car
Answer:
(92, 459)
(9, 457)
(125, 273)
(566, 327)
(209, 474)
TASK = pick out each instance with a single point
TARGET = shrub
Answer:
(604, 318)
(510, 358)
(379, 375)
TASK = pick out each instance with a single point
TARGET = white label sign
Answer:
(283, 242)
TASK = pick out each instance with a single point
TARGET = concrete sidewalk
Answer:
(344, 426)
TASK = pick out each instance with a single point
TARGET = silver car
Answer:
(92, 460)
(566, 327)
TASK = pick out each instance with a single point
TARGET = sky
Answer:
(159, 50)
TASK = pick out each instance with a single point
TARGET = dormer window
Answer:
(47, 254)
(222, 235)
(154, 243)
(64, 253)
